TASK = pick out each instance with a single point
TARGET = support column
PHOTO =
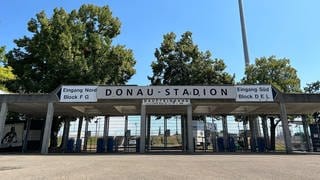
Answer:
(253, 139)
(3, 117)
(126, 133)
(143, 129)
(65, 137)
(47, 129)
(26, 136)
(257, 126)
(214, 141)
(86, 134)
(245, 132)
(78, 140)
(265, 131)
(189, 130)
(149, 132)
(285, 127)
(205, 133)
(225, 132)
(165, 132)
(183, 133)
(306, 132)
(214, 135)
(106, 132)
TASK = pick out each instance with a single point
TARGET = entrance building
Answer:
(178, 105)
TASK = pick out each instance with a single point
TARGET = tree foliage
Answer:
(182, 63)
(313, 87)
(277, 72)
(5, 70)
(71, 48)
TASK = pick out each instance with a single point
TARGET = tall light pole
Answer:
(247, 62)
(244, 35)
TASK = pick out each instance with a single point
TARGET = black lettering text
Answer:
(167, 92)
(108, 92)
(213, 92)
(139, 92)
(150, 92)
(185, 92)
(176, 91)
(196, 92)
(129, 92)
(224, 92)
(119, 92)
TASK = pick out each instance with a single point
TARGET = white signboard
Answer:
(166, 92)
(166, 102)
(78, 94)
(254, 93)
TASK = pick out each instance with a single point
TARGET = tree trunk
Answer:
(273, 126)
(56, 124)
(272, 134)
(54, 135)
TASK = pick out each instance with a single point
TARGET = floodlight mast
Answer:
(244, 36)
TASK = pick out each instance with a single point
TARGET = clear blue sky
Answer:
(285, 28)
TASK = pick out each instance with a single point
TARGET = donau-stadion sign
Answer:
(241, 93)
(167, 92)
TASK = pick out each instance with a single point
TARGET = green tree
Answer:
(5, 70)
(277, 72)
(314, 88)
(182, 63)
(70, 48)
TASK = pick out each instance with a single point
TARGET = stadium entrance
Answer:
(162, 118)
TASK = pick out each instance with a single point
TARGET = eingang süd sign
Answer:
(163, 95)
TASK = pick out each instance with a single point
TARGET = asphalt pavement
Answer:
(160, 166)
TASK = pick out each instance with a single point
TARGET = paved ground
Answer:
(166, 167)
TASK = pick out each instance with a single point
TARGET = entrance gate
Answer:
(165, 133)
(166, 126)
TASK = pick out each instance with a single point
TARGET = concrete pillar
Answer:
(214, 141)
(285, 127)
(165, 130)
(189, 130)
(86, 134)
(149, 132)
(78, 144)
(126, 138)
(257, 126)
(47, 129)
(183, 133)
(225, 132)
(205, 133)
(143, 129)
(306, 132)
(65, 137)
(245, 132)
(253, 131)
(26, 135)
(3, 117)
(106, 131)
(265, 131)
